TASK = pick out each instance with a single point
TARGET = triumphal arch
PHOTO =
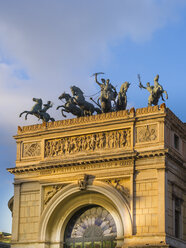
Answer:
(109, 180)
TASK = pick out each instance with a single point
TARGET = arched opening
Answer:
(70, 202)
(91, 227)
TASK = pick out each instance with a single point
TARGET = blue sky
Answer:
(48, 45)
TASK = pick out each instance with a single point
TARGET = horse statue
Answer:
(38, 111)
(79, 99)
(108, 94)
(121, 103)
(155, 91)
(158, 90)
(70, 106)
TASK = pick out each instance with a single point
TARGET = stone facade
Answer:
(130, 163)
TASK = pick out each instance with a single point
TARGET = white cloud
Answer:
(58, 42)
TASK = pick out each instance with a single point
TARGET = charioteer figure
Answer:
(108, 94)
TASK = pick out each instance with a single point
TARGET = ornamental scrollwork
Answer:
(146, 133)
(91, 142)
(31, 149)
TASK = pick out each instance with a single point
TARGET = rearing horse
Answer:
(121, 103)
(79, 99)
(38, 111)
(70, 106)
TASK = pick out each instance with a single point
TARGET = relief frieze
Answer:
(91, 142)
(31, 149)
(146, 133)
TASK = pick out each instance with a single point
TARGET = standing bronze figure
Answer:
(108, 94)
(155, 91)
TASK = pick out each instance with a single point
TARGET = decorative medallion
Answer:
(146, 133)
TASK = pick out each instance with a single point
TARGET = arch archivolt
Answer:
(70, 199)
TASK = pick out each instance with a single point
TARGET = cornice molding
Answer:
(125, 159)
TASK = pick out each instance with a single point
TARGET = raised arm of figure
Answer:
(96, 79)
(141, 86)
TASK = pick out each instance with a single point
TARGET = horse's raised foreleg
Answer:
(23, 113)
(64, 110)
(61, 106)
(27, 113)
(166, 95)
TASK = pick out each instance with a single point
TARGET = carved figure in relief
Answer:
(82, 183)
(121, 103)
(70, 106)
(117, 184)
(51, 193)
(108, 140)
(155, 91)
(94, 141)
(108, 94)
(38, 111)
(124, 138)
(112, 140)
(84, 144)
(79, 99)
(89, 145)
(102, 140)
